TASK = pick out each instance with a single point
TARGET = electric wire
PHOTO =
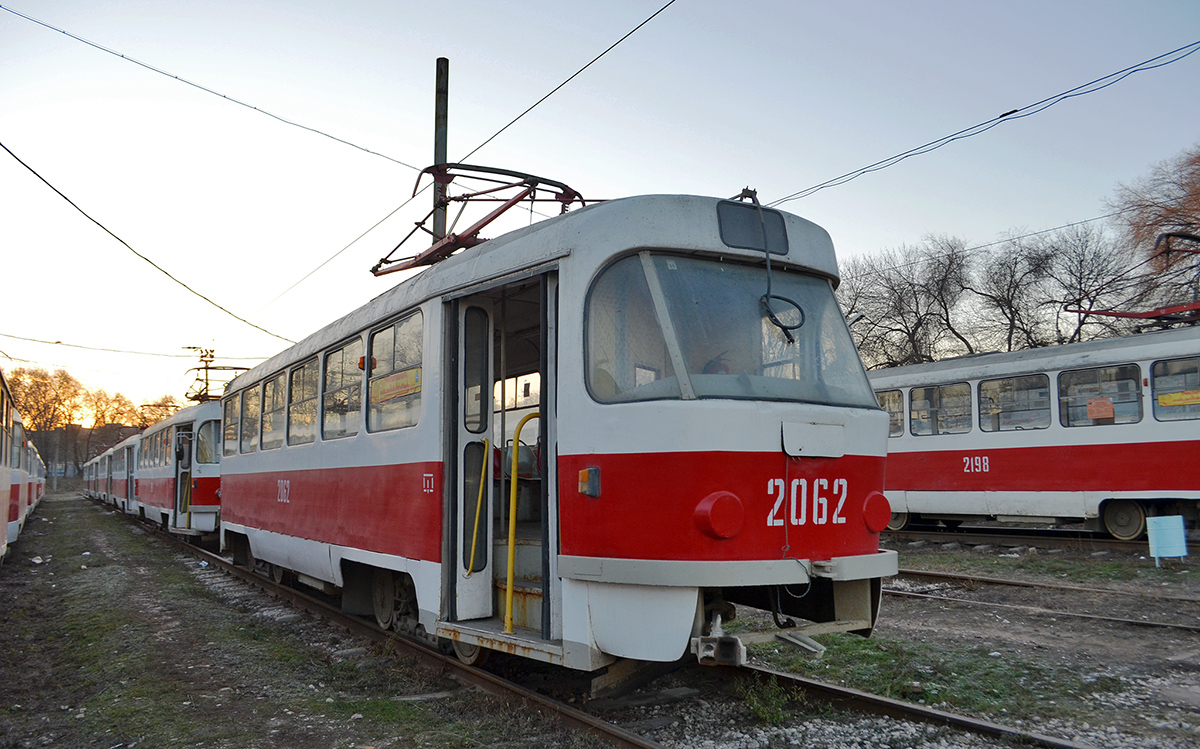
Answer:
(135, 252)
(122, 351)
(978, 248)
(471, 153)
(1027, 111)
(568, 80)
(207, 90)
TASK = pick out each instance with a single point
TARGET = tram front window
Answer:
(651, 314)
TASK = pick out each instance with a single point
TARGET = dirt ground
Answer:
(111, 640)
(1156, 700)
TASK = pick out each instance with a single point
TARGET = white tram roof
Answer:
(590, 236)
(1163, 344)
(185, 415)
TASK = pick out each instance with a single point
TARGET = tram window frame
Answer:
(208, 438)
(342, 391)
(251, 418)
(303, 399)
(394, 379)
(231, 419)
(895, 418)
(934, 420)
(1190, 408)
(1018, 396)
(1094, 411)
(274, 405)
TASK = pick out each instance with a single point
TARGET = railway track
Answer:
(975, 580)
(610, 733)
(1041, 537)
(860, 701)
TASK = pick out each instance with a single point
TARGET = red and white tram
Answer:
(178, 474)
(123, 464)
(8, 415)
(20, 485)
(1103, 431)
(680, 448)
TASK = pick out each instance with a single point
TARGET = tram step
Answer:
(527, 566)
(527, 604)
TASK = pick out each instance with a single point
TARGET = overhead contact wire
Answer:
(135, 252)
(1016, 114)
(205, 89)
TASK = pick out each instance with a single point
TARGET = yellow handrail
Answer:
(487, 454)
(512, 522)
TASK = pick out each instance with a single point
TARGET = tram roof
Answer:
(1162, 344)
(593, 233)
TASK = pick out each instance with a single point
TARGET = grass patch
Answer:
(1043, 567)
(972, 681)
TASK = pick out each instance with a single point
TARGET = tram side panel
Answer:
(1111, 450)
(349, 500)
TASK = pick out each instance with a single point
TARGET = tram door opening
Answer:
(129, 467)
(183, 477)
(502, 348)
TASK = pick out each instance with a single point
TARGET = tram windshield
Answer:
(652, 315)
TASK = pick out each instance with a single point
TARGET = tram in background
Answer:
(1103, 432)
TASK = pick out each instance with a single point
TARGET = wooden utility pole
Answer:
(440, 106)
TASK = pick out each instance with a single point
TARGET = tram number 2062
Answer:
(823, 504)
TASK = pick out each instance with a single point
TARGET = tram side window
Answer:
(250, 414)
(273, 413)
(1176, 389)
(940, 409)
(1014, 403)
(892, 401)
(1101, 396)
(343, 391)
(207, 439)
(302, 404)
(231, 420)
(394, 393)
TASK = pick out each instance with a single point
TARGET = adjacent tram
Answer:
(1104, 432)
(590, 439)
(178, 472)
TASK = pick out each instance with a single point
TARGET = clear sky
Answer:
(708, 98)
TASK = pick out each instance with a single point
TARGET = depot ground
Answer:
(112, 640)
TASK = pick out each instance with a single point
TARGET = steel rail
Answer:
(610, 733)
(958, 576)
(1047, 612)
(1019, 536)
(871, 703)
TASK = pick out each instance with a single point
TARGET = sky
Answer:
(707, 98)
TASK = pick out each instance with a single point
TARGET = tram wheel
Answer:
(472, 655)
(1124, 519)
(281, 575)
(383, 597)
(898, 522)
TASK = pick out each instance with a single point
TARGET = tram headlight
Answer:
(877, 512)
(721, 515)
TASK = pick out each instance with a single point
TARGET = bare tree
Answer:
(152, 412)
(1089, 271)
(46, 401)
(911, 303)
(1010, 285)
(1165, 200)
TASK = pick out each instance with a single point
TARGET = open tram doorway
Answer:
(500, 351)
(183, 478)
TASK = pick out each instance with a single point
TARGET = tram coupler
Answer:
(718, 648)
